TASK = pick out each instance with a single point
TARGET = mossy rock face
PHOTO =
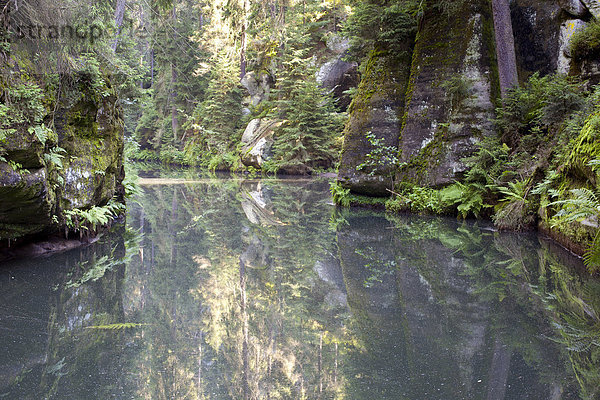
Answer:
(24, 148)
(377, 108)
(536, 28)
(25, 202)
(33, 199)
(449, 105)
(93, 171)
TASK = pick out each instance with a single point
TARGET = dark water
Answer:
(231, 289)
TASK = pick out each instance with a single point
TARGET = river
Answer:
(225, 288)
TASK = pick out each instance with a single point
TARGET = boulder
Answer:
(376, 108)
(567, 30)
(573, 7)
(26, 202)
(589, 71)
(536, 27)
(258, 87)
(593, 6)
(257, 141)
(337, 44)
(449, 105)
(338, 76)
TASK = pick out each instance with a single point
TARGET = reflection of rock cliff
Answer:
(415, 306)
(257, 204)
(91, 298)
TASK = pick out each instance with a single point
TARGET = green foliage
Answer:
(55, 157)
(41, 132)
(513, 210)
(585, 148)
(89, 220)
(450, 8)
(220, 113)
(585, 43)
(308, 139)
(386, 24)
(416, 199)
(23, 104)
(468, 199)
(382, 159)
(341, 195)
(171, 155)
(582, 207)
(117, 326)
(537, 105)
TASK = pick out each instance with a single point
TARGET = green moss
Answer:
(585, 43)
(416, 170)
(367, 201)
(490, 45)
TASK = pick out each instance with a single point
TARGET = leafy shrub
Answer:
(417, 199)
(513, 211)
(341, 196)
(382, 160)
(585, 43)
(540, 103)
(468, 199)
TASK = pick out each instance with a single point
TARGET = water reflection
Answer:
(234, 289)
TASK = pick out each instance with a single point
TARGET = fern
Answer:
(592, 255)
(117, 326)
(55, 157)
(585, 205)
(41, 132)
(340, 195)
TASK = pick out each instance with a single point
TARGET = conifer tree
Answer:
(307, 138)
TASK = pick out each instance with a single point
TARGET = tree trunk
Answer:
(505, 46)
(244, 312)
(173, 94)
(499, 371)
(243, 61)
(119, 15)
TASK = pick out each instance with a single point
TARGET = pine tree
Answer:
(307, 139)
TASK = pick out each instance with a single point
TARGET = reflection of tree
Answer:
(260, 308)
(255, 324)
(532, 294)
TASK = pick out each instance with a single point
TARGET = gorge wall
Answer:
(78, 164)
(446, 107)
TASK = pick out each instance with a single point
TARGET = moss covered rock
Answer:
(536, 26)
(449, 101)
(37, 186)
(377, 108)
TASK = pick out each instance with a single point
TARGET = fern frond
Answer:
(592, 255)
(118, 326)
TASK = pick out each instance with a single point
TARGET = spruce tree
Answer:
(307, 138)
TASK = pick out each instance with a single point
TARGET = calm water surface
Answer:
(242, 289)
